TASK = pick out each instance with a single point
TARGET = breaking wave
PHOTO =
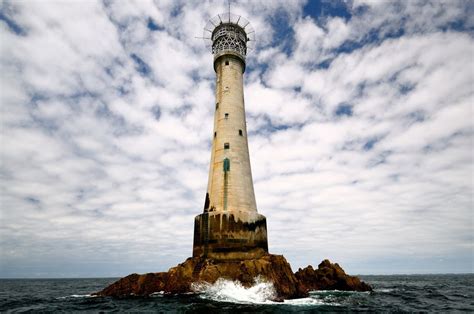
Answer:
(262, 292)
(233, 291)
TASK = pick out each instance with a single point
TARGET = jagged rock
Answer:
(329, 276)
(178, 279)
(135, 284)
(273, 268)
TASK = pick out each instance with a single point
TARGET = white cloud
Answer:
(106, 128)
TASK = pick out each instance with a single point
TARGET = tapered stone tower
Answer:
(230, 227)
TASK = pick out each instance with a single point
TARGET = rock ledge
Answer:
(273, 268)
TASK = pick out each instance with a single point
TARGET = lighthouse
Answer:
(230, 228)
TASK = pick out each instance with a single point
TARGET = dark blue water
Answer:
(413, 293)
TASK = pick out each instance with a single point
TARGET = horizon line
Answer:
(121, 276)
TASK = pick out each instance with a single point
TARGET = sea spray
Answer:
(233, 291)
(262, 292)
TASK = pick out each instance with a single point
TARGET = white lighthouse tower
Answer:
(230, 227)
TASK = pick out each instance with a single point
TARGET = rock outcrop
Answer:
(329, 276)
(273, 268)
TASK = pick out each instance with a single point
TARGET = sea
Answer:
(394, 293)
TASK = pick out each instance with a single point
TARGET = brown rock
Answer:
(273, 268)
(178, 279)
(135, 284)
(329, 276)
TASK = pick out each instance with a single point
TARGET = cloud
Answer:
(359, 121)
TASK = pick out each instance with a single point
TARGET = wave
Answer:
(308, 301)
(336, 292)
(77, 296)
(232, 291)
(262, 292)
(385, 290)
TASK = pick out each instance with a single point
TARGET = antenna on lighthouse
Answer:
(229, 33)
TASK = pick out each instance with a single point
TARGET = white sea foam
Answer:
(262, 292)
(384, 290)
(233, 291)
(157, 294)
(77, 296)
(308, 301)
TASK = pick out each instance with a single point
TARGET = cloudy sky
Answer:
(360, 133)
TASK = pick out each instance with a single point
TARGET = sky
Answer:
(360, 128)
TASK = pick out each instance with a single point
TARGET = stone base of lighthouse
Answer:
(230, 236)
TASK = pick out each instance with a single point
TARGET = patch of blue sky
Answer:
(319, 63)
(374, 36)
(344, 110)
(379, 159)
(351, 145)
(196, 75)
(445, 142)
(283, 36)
(352, 45)
(176, 9)
(460, 25)
(109, 71)
(417, 116)
(272, 127)
(464, 24)
(13, 26)
(182, 111)
(123, 90)
(153, 26)
(103, 112)
(79, 94)
(156, 112)
(320, 8)
(141, 66)
(259, 67)
(370, 144)
(324, 64)
(37, 96)
(406, 88)
(382, 33)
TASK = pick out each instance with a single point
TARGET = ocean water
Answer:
(407, 293)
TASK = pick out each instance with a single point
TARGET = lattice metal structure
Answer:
(229, 33)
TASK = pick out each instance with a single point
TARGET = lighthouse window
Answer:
(226, 145)
(215, 134)
(226, 164)
(241, 133)
(217, 105)
(227, 63)
(226, 115)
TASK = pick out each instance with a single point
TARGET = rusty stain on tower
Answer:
(230, 226)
